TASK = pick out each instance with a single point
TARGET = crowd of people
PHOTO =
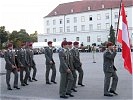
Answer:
(22, 60)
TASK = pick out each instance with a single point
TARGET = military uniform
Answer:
(31, 63)
(10, 66)
(71, 66)
(77, 65)
(49, 65)
(66, 78)
(24, 65)
(109, 71)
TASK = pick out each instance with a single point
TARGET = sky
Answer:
(26, 14)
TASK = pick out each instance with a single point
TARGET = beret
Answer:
(49, 42)
(75, 43)
(30, 44)
(109, 44)
(69, 43)
(10, 45)
(64, 43)
(23, 44)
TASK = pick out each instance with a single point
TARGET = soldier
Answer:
(93, 52)
(11, 67)
(77, 63)
(66, 78)
(109, 70)
(71, 62)
(31, 62)
(23, 63)
(50, 64)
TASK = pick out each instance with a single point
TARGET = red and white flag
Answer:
(123, 38)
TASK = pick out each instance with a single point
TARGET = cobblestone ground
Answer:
(93, 80)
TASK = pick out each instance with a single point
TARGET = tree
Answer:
(34, 37)
(112, 35)
(3, 36)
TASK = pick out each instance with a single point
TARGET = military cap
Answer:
(109, 44)
(9, 45)
(49, 42)
(23, 44)
(30, 44)
(75, 43)
(69, 43)
(64, 43)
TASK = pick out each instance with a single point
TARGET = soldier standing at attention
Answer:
(109, 70)
(50, 64)
(66, 77)
(23, 63)
(11, 67)
(31, 62)
(77, 63)
(71, 62)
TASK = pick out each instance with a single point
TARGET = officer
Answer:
(66, 78)
(77, 62)
(71, 62)
(11, 67)
(23, 63)
(50, 64)
(31, 62)
(109, 70)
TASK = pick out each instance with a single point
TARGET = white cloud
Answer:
(26, 14)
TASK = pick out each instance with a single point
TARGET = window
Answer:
(54, 40)
(75, 19)
(54, 22)
(98, 26)
(77, 38)
(71, 10)
(89, 8)
(107, 26)
(126, 13)
(82, 19)
(68, 28)
(90, 18)
(54, 30)
(82, 27)
(61, 29)
(88, 38)
(90, 27)
(68, 20)
(47, 22)
(64, 39)
(98, 38)
(45, 40)
(107, 16)
(116, 23)
(98, 17)
(48, 30)
(116, 15)
(60, 21)
(75, 28)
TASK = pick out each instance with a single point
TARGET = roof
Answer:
(87, 5)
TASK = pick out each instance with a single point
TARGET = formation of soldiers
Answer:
(21, 60)
(70, 62)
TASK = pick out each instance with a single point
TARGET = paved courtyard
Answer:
(93, 80)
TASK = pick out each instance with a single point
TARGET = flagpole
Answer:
(118, 22)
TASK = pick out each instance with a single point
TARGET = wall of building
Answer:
(100, 26)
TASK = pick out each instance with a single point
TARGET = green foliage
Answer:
(112, 35)
(16, 37)
(34, 36)
(3, 36)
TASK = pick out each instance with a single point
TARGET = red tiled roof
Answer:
(82, 6)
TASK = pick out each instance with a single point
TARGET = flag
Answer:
(123, 38)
